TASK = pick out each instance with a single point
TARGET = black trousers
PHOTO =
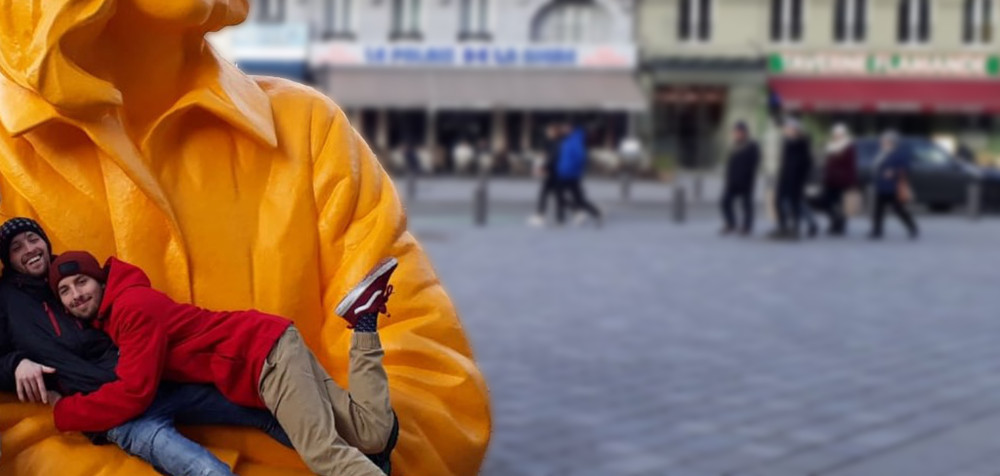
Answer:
(792, 208)
(550, 187)
(831, 202)
(571, 193)
(730, 197)
(883, 200)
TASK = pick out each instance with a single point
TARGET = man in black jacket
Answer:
(796, 168)
(44, 349)
(30, 315)
(549, 173)
(741, 176)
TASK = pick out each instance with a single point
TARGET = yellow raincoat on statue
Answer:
(123, 133)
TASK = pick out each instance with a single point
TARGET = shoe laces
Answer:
(385, 298)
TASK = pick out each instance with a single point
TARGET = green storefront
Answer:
(952, 97)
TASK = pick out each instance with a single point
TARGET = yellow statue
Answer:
(124, 133)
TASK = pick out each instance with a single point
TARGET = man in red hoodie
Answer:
(255, 359)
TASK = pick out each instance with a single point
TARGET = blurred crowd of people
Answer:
(793, 207)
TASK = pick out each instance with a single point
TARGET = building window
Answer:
(572, 21)
(406, 20)
(787, 17)
(694, 20)
(337, 19)
(475, 19)
(977, 23)
(271, 11)
(914, 21)
(850, 21)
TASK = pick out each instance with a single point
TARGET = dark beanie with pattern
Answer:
(13, 227)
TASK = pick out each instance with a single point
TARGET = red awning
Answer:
(903, 95)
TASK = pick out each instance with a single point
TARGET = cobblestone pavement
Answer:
(647, 348)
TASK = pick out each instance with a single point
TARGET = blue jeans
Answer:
(154, 438)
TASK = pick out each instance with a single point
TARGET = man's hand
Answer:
(54, 397)
(31, 382)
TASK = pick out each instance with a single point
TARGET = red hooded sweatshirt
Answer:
(160, 338)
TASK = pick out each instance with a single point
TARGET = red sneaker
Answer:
(370, 295)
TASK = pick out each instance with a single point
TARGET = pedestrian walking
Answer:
(839, 175)
(741, 176)
(549, 173)
(892, 186)
(571, 168)
(796, 168)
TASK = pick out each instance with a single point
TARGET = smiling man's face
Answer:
(29, 254)
(81, 295)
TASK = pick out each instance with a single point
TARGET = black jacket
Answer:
(741, 170)
(796, 163)
(34, 325)
(553, 149)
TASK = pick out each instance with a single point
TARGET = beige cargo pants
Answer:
(331, 428)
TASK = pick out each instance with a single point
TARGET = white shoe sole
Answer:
(383, 267)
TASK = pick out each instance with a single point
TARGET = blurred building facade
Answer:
(923, 67)
(424, 79)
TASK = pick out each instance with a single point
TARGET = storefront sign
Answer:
(917, 65)
(473, 56)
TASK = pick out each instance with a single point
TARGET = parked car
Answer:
(939, 180)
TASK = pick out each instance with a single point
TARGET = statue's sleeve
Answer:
(437, 391)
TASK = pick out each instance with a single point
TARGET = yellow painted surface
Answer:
(124, 134)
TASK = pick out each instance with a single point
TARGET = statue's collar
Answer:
(223, 91)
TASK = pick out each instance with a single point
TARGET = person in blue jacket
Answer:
(572, 166)
(891, 183)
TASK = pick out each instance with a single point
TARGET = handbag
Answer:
(903, 191)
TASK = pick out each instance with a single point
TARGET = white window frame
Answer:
(276, 11)
(850, 27)
(344, 24)
(480, 17)
(694, 20)
(411, 23)
(785, 38)
(575, 21)
(914, 39)
(979, 21)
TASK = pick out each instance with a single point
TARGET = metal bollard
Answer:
(411, 185)
(698, 187)
(480, 202)
(679, 204)
(626, 184)
(974, 199)
(868, 200)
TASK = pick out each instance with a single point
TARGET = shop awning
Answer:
(902, 95)
(294, 70)
(484, 89)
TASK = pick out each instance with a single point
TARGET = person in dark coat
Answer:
(839, 175)
(741, 176)
(549, 172)
(796, 168)
(891, 186)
